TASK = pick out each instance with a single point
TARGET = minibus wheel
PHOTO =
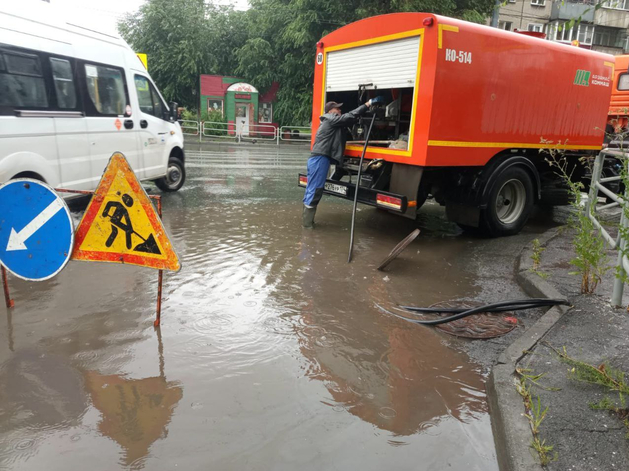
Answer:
(175, 176)
(33, 175)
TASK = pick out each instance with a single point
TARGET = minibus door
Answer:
(154, 128)
(75, 166)
(111, 125)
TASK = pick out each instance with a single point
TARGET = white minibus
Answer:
(71, 96)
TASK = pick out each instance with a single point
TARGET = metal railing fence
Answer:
(248, 133)
(618, 243)
(294, 133)
(219, 130)
(190, 128)
(258, 132)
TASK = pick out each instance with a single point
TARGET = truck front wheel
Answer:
(509, 204)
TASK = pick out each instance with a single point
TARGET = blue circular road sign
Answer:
(36, 230)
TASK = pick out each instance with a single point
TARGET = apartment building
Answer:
(604, 29)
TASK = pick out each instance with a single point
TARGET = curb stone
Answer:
(511, 429)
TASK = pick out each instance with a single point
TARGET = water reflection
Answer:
(134, 412)
(394, 375)
(46, 396)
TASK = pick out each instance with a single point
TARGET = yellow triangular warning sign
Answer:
(120, 224)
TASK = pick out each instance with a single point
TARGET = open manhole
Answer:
(486, 325)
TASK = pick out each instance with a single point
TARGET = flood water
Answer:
(274, 352)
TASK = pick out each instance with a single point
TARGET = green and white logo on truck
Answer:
(582, 78)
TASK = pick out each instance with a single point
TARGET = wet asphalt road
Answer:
(273, 353)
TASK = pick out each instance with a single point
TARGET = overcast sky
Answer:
(108, 12)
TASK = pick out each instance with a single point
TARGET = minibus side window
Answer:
(150, 101)
(623, 82)
(106, 89)
(21, 81)
(64, 84)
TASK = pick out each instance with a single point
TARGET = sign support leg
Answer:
(5, 284)
(159, 298)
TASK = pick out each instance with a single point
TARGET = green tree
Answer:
(183, 39)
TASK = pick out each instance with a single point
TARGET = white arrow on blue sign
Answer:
(36, 230)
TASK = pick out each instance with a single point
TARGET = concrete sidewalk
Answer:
(592, 332)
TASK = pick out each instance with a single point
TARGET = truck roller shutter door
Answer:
(392, 64)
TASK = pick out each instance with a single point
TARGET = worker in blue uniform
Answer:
(328, 148)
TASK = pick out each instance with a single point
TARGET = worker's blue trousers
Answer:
(318, 166)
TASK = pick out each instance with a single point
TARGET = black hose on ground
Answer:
(460, 313)
(533, 302)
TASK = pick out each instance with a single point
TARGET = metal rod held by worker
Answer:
(360, 169)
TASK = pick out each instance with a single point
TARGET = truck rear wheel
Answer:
(509, 204)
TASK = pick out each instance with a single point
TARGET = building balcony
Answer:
(612, 17)
(614, 51)
(568, 11)
(610, 40)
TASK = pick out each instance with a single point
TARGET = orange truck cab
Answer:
(618, 118)
(469, 110)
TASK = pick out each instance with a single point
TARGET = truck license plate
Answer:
(339, 189)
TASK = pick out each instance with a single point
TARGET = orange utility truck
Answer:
(469, 111)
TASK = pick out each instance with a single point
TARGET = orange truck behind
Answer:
(619, 107)
(469, 110)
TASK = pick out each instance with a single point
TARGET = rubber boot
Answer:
(308, 216)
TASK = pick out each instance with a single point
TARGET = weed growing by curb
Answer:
(604, 375)
(591, 259)
(535, 414)
(536, 256)
(537, 253)
(621, 412)
(541, 274)
(544, 451)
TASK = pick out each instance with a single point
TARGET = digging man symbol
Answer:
(120, 219)
(120, 214)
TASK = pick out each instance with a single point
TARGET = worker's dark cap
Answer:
(330, 105)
